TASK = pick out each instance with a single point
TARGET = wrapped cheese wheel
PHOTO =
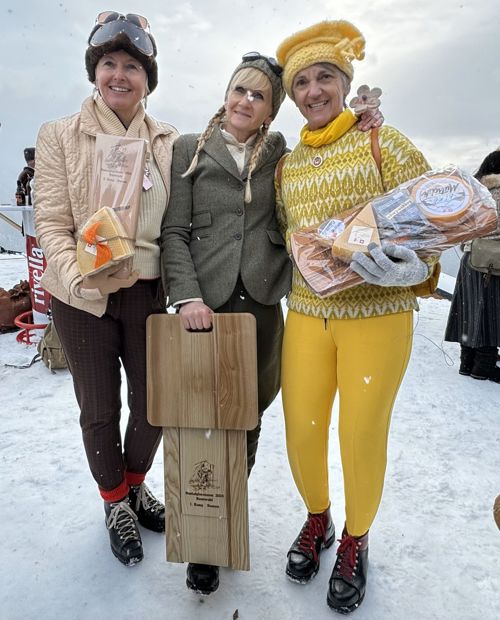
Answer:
(103, 242)
(443, 199)
(429, 214)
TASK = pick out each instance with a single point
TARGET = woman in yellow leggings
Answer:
(322, 355)
(358, 341)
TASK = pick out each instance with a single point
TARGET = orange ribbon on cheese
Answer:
(103, 254)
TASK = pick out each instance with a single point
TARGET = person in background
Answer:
(357, 341)
(101, 319)
(474, 318)
(25, 178)
(221, 244)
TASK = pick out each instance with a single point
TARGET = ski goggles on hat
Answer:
(272, 62)
(110, 24)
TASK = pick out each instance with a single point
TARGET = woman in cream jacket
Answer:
(101, 319)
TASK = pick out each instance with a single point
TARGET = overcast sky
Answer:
(438, 64)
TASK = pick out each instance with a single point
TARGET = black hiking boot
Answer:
(347, 585)
(485, 365)
(149, 511)
(124, 536)
(317, 533)
(467, 355)
(202, 578)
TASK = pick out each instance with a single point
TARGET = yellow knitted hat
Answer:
(336, 42)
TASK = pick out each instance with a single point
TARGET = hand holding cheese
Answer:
(378, 268)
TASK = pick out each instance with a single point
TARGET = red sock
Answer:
(134, 480)
(116, 494)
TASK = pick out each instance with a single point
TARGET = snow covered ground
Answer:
(434, 547)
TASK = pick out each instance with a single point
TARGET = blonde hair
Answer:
(251, 79)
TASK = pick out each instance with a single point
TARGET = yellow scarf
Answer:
(329, 133)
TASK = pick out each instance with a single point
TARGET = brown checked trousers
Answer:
(95, 348)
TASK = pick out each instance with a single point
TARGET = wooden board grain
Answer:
(206, 497)
(202, 379)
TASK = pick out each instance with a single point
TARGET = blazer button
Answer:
(237, 236)
(239, 211)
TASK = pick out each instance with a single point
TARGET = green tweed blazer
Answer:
(210, 236)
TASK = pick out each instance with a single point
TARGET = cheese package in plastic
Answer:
(429, 214)
(356, 236)
(103, 242)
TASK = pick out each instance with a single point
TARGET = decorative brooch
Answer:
(367, 99)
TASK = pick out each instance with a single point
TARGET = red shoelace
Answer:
(314, 527)
(347, 556)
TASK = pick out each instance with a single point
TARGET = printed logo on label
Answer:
(443, 196)
(203, 476)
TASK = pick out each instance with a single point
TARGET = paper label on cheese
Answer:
(443, 196)
(360, 235)
(91, 248)
(331, 229)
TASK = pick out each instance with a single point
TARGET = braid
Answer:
(254, 158)
(203, 137)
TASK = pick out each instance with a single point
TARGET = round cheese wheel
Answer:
(443, 199)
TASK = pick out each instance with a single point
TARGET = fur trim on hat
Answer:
(489, 166)
(335, 42)
(122, 42)
(491, 181)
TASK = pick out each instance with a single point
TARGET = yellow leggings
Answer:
(365, 359)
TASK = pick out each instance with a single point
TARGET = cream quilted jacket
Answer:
(65, 157)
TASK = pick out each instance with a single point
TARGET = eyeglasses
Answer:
(272, 62)
(110, 24)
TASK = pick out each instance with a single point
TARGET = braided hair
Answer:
(216, 119)
(255, 76)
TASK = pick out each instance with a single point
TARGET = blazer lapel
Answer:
(216, 148)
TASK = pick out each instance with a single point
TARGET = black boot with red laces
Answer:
(347, 585)
(317, 533)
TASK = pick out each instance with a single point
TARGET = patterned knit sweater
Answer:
(347, 176)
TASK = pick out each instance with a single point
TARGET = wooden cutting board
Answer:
(202, 379)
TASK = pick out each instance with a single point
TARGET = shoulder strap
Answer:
(377, 156)
(279, 168)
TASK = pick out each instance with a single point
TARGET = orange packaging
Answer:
(429, 214)
(103, 243)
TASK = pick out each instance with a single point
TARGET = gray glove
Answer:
(406, 270)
